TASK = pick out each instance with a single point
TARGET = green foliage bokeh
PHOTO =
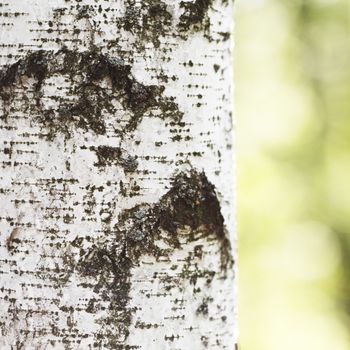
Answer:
(292, 87)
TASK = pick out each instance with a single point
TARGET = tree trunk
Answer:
(117, 178)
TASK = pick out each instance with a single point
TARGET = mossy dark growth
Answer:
(190, 203)
(86, 99)
(156, 21)
(108, 156)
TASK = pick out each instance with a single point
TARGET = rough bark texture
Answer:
(116, 188)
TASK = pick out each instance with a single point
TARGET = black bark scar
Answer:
(85, 71)
(190, 203)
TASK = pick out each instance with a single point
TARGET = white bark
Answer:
(116, 189)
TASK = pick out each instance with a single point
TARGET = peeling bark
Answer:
(117, 221)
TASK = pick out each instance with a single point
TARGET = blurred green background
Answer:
(292, 82)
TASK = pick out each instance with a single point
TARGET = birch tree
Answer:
(116, 186)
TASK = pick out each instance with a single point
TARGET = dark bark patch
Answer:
(108, 156)
(148, 21)
(202, 309)
(225, 35)
(195, 16)
(190, 203)
(86, 99)
(12, 240)
(216, 67)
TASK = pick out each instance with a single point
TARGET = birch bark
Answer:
(116, 187)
